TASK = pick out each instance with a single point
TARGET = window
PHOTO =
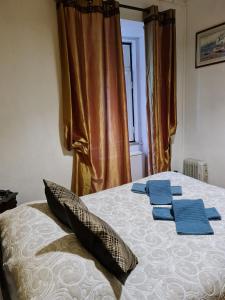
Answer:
(133, 40)
(127, 53)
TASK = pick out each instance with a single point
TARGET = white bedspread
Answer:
(44, 260)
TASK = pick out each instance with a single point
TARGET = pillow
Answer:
(56, 196)
(102, 241)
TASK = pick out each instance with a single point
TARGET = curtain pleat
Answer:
(160, 42)
(94, 96)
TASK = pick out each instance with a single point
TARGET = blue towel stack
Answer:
(140, 188)
(163, 213)
(176, 190)
(166, 214)
(190, 217)
(159, 192)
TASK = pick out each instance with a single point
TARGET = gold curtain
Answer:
(94, 95)
(160, 41)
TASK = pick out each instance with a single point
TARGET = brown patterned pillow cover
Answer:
(56, 196)
(102, 241)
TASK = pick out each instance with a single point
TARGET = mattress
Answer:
(44, 260)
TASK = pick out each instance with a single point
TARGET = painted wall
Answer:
(30, 147)
(30, 93)
(205, 95)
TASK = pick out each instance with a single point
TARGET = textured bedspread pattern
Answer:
(44, 260)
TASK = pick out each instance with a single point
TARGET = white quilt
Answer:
(44, 260)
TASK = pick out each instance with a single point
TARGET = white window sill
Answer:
(135, 146)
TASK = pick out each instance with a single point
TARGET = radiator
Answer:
(196, 168)
(137, 165)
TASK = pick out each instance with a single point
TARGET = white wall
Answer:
(30, 146)
(205, 95)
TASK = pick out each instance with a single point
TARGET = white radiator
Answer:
(137, 165)
(196, 168)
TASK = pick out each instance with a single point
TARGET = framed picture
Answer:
(210, 46)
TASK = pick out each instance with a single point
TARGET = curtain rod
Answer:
(133, 7)
(121, 5)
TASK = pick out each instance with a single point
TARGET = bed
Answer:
(42, 259)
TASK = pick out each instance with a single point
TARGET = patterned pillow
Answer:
(102, 241)
(56, 196)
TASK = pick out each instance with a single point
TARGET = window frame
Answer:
(132, 90)
(135, 108)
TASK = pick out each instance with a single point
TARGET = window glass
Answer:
(127, 53)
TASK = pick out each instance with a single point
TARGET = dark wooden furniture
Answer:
(7, 200)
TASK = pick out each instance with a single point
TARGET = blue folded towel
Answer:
(159, 192)
(212, 214)
(166, 213)
(163, 213)
(176, 190)
(190, 217)
(138, 188)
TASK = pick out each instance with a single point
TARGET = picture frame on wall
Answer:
(210, 46)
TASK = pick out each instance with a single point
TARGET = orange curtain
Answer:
(94, 96)
(160, 41)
